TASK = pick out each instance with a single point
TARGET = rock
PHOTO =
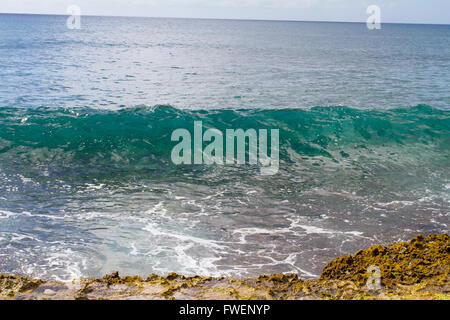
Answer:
(418, 269)
(112, 276)
(405, 263)
(49, 292)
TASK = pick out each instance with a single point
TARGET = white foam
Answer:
(154, 231)
(91, 186)
(6, 214)
(395, 203)
(158, 208)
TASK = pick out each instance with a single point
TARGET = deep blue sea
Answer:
(86, 117)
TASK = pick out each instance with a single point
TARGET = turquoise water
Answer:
(86, 118)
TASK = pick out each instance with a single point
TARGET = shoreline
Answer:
(417, 269)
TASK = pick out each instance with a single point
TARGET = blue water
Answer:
(86, 118)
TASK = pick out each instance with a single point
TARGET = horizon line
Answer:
(225, 19)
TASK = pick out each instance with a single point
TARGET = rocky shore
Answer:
(417, 269)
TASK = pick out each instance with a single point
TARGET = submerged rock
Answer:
(418, 269)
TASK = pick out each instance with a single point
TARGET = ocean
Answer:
(86, 118)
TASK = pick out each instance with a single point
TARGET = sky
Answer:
(400, 11)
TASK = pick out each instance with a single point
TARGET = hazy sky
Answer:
(410, 11)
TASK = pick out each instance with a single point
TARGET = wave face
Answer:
(86, 191)
(89, 143)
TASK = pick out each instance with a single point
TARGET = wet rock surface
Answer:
(418, 269)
